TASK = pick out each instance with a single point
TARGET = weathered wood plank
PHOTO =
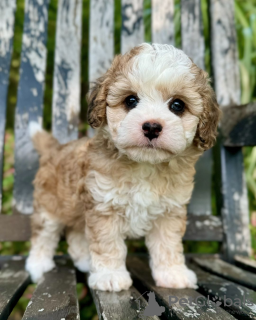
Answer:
(201, 202)
(13, 282)
(203, 228)
(236, 299)
(66, 86)
(101, 48)
(14, 228)
(132, 24)
(162, 24)
(30, 100)
(127, 304)
(234, 203)
(224, 52)
(193, 44)
(238, 127)
(192, 31)
(228, 271)
(190, 309)
(7, 12)
(55, 296)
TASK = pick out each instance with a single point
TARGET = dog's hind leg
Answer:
(46, 233)
(78, 249)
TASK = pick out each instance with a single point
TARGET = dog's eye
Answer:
(131, 102)
(177, 106)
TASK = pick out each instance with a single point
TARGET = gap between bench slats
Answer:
(67, 65)
(7, 14)
(55, 296)
(141, 274)
(30, 100)
(13, 282)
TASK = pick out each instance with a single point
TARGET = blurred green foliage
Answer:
(245, 15)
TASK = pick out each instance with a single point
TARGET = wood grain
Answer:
(162, 23)
(224, 52)
(13, 282)
(132, 24)
(14, 228)
(142, 277)
(228, 271)
(67, 65)
(7, 12)
(30, 100)
(55, 296)
(233, 202)
(192, 31)
(127, 304)
(101, 48)
(220, 290)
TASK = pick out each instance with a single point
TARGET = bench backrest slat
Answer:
(193, 45)
(162, 21)
(66, 88)
(30, 100)
(233, 192)
(101, 46)
(132, 24)
(7, 13)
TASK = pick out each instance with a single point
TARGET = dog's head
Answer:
(155, 103)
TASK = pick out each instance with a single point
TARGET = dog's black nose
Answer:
(151, 129)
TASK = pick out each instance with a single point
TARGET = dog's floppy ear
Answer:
(96, 99)
(208, 122)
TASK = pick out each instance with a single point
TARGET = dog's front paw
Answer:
(110, 280)
(176, 276)
(37, 267)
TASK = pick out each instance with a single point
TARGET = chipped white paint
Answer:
(41, 310)
(29, 304)
(191, 27)
(133, 27)
(66, 87)
(7, 10)
(162, 21)
(101, 49)
(224, 52)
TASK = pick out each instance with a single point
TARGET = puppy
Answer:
(156, 113)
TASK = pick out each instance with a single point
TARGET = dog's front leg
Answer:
(108, 253)
(167, 262)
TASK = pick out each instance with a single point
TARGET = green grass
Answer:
(245, 15)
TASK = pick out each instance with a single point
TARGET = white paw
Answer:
(110, 280)
(37, 267)
(83, 264)
(176, 276)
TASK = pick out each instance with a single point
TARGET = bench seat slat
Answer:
(13, 282)
(228, 271)
(30, 100)
(246, 263)
(120, 305)
(132, 24)
(219, 289)
(66, 88)
(55, 296)
(7, 14)
(162, 24)
(142, 277)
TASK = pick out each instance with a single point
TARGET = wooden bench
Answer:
(229, 273)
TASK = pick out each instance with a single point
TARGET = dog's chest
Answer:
(138, 198)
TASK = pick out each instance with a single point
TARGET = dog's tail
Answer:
(42, 140)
